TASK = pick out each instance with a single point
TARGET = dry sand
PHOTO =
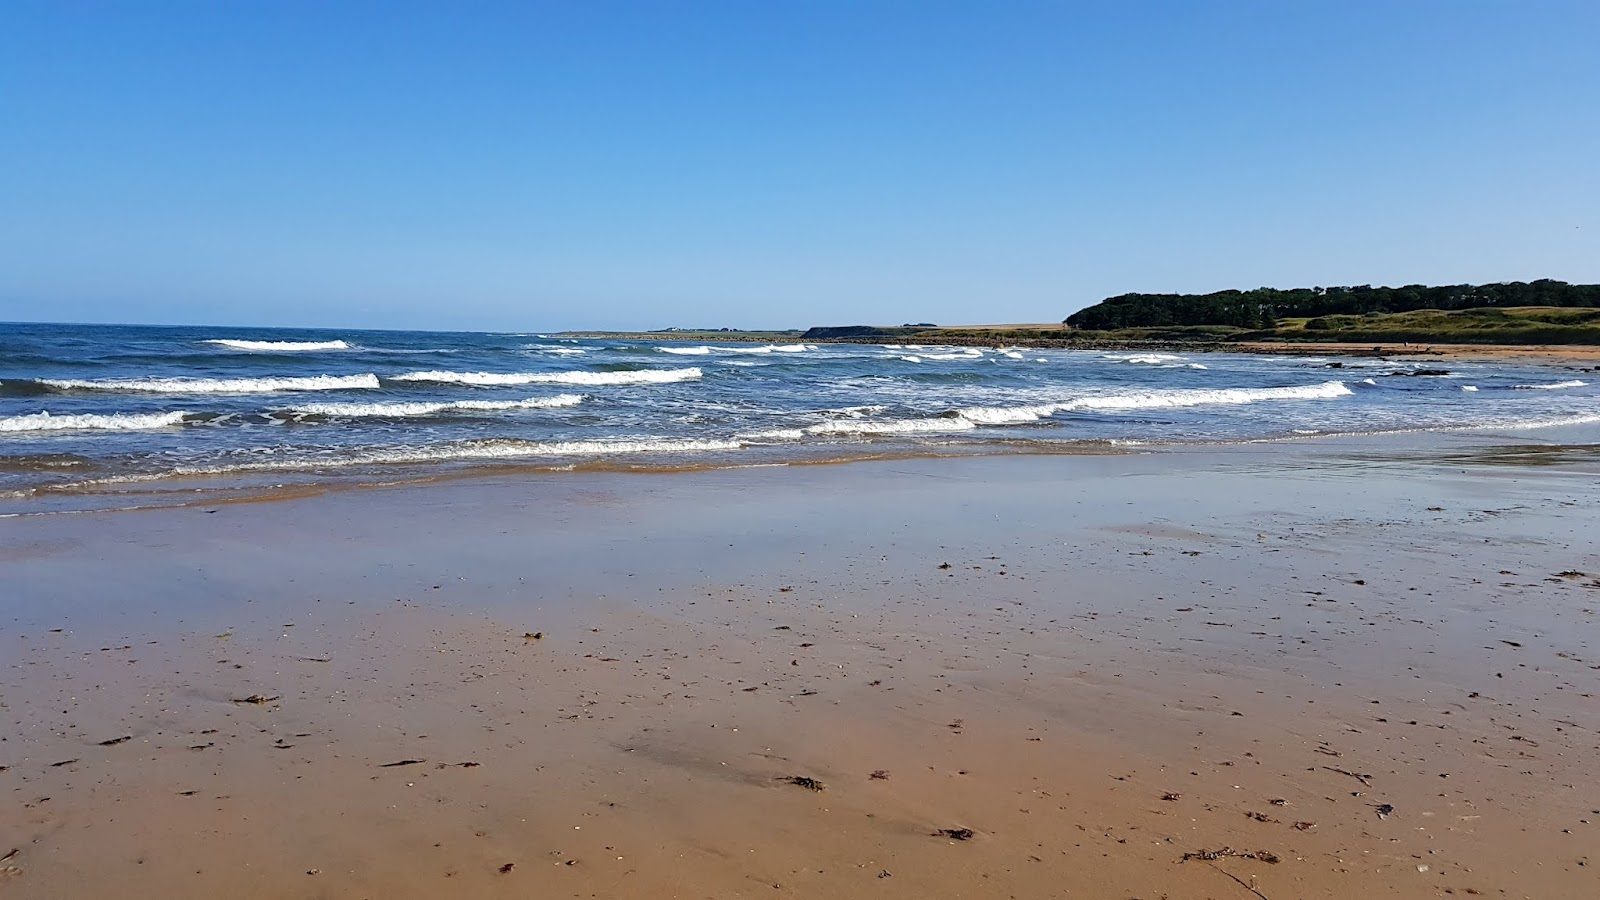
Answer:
(1352, 669)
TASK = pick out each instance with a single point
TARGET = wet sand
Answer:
(1362, 668)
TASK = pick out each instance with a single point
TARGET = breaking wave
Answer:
(278, 346)
(1550, 387)
(216, 385)
(45, 421)
(1017, 415)
(493, 379)
(708, 350)
(405, 410)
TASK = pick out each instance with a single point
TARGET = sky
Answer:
(777, 163)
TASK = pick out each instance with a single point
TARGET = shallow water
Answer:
(110, 407)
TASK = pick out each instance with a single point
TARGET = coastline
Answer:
(1579, 355)
(1230, 626)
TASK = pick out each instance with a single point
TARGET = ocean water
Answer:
(118, 411)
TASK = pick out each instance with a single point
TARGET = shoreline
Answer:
(1228, 627)
(245, 487)
(1542, 354)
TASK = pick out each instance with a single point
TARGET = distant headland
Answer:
(1512, 313)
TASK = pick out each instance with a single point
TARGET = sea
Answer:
(97, 416)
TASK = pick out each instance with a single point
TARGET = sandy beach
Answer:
(1357, 668)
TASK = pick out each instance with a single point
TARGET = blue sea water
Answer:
(98, 409)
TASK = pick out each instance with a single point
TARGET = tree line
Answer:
(1262, 307)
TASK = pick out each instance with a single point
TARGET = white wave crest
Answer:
(1550, 387)
(402, 410)
(941, 425)
(708, 350)
(855, 412)
(278, 346)
(488, 379)
(218, 385)
(969, 353)
(1149, 359)
(1469, 388)
(1017, 415)
(45, 421)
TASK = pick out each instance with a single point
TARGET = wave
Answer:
(855, 412)
(857, 427)
(708, 350)
(769, 348)
(1017, 415)
(959, 354)
(405, 410)
(45, 421)
(216, 385)
(1549, 387)
(278, 346)
(490, 379)
(1149, 359)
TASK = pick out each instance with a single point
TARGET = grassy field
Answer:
(1514, 325)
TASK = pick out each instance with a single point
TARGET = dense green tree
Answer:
(1262, 307)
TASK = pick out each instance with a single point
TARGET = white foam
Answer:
(707, 350)
(1011, 354)
(1144, 358)
(969, 353)
(486, 379)
(856, 412)
(891, 426)
(219, 385)
(1468, 387)
(278, 346)
(915, 359)
(1017, 415)
(1009, 415)
(45, 421)
(401, 410)
(563, 351)
(1550, 387)
(1556, 422)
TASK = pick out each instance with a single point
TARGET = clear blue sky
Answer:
(766, 163)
